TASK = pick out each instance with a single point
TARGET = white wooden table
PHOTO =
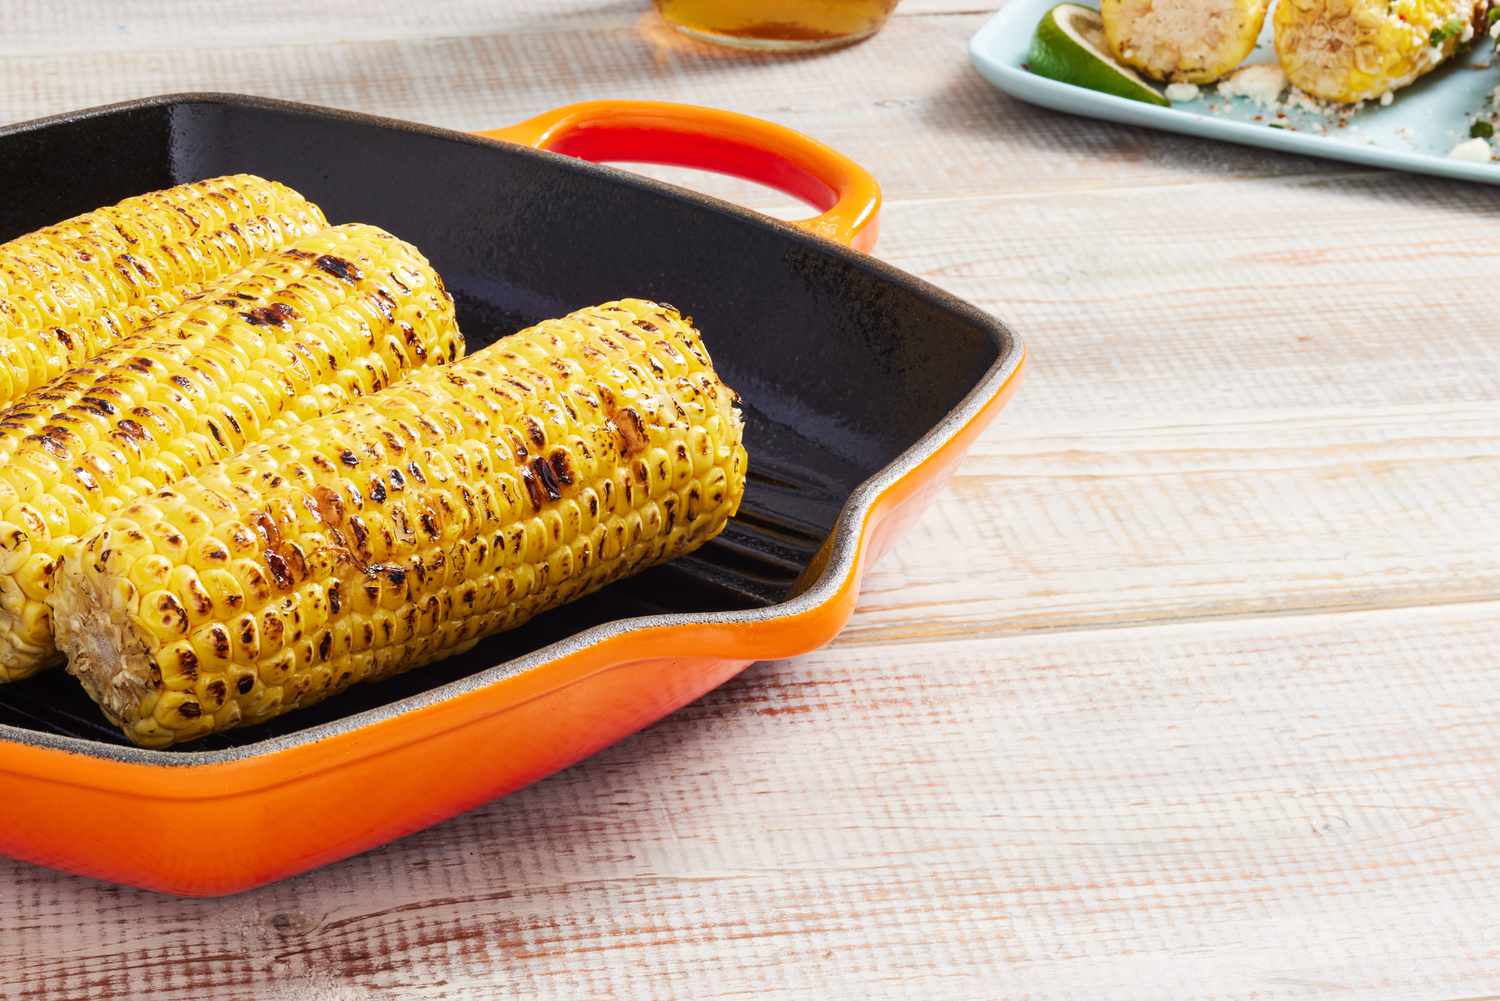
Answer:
(1189, 686)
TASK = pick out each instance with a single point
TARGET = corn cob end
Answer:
(108, 658)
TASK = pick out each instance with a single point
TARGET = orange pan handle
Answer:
(686, 135)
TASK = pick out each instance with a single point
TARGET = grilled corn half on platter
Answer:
(245, 463)
(1358, 50)
(1182, 41)
(405, 527)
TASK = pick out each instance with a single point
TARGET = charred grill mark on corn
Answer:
(195, 386)
(402, 529)
(1358, 50)
(70, 290)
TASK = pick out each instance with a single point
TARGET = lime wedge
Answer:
(1069, 46)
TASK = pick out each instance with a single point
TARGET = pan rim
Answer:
(845, 539)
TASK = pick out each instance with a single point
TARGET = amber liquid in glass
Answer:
(777, 24)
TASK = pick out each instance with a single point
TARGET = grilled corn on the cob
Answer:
(1182, 41)
(69, 290)
(1358, 50)
(294, 336)
(457, 503)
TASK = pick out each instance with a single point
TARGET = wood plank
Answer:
(1224, 302)
(906, 103)
(1270, 809)
(1061, 531)
(47, 27)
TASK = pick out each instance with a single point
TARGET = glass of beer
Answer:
(777, 25)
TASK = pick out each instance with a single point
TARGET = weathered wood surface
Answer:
(1186, 688)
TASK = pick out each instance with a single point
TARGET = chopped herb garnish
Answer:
(1276, 125)
(1481, 130)
(1450, 30)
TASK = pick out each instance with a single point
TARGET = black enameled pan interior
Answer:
(842, 365)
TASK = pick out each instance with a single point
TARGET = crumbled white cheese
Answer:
(1262, 83)
(1468, 32)
(1472, 151)
(1182, 91)
(1386, 99)
(1305, 102)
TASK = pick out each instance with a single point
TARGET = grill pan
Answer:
(862, 386)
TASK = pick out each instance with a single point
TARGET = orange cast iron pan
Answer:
(863, 386)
